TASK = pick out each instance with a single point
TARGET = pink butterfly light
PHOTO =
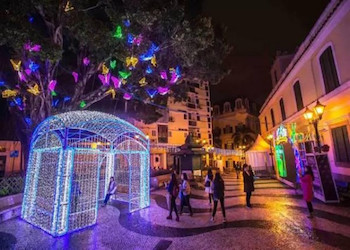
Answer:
(127, 96)
(163, 75)
(86, 61)
(76, 76)
(116, 82)
(105, 79)
(30, 48)
(52, 85)
(22, 77)
(163, 90)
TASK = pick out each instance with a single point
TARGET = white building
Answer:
(179, 120)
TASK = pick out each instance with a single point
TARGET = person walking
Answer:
(208, 182)
(185, 190)
(112, 187)
(248, 180)
(219, 195)
(306, 185)
(173, 189)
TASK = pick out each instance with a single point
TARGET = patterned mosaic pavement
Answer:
(276, 221)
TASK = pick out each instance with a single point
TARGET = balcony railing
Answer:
(192, 123)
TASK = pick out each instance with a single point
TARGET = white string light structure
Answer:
(72, 157)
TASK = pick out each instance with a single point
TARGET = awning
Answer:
(259, 145)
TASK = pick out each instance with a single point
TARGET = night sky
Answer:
(257, 29)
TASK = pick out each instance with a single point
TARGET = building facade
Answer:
(179, 120)
(319, 71)
(229, 119)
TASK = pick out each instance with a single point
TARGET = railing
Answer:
(11, 185)
(170, 148)
(226, 151)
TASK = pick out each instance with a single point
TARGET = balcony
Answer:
(191, 105)
(192, 123)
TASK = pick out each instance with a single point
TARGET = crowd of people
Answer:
(215, 188)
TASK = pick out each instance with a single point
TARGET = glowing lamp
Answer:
(319, 109)
(308, 114)
(270, 137)
(204, 141)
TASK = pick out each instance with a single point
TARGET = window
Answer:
(329, 72)
(266, 125)
(272, 118)
(198, 117)
(238, 103)
(227, 107)
(298, 96)
(341, 144)
(154, 133)
(283, 112)
(162, 133)
(185, 116)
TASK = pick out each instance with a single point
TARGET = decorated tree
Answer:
(69, 55)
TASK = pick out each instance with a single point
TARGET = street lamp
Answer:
(313, 117)
(270, 137)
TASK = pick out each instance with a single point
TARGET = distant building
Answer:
(179, 120)
(319, 71)
(228, 118)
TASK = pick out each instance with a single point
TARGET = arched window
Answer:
(227, 107)
(329, 71)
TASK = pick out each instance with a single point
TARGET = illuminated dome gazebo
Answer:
(72, 157)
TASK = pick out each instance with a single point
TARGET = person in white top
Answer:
(208, 183)
(185, 190)
(112, 187)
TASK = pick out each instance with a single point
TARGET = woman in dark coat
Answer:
(173, 189)
(248, 179)
(219, 195)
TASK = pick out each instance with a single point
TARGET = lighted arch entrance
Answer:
(72, 157)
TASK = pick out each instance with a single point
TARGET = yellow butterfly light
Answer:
(131, 61)
(105, 69)
(112, 92)
(143, 82)
(8, 93)
(16, 64)
(68, 7)
(34, 90)
(124, 81)
(154, 61)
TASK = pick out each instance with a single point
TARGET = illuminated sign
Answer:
(281, 134)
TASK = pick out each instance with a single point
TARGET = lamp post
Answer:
(313, 117)
(270, 137)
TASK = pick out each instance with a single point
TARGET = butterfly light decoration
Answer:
(105, 69)
(86, 61)
(105, 79)
(124, 74)
(16, 64)
(143, 82)
(116, 81)
(113, 64)
(149, 70)
(152, 92)
(33, 66)
(127, 96)
(118, 32)
(154, 61)
(34, 89)
(126, 23)
(55, 103)
(32, 48)
(2, 83)
(66, 99)
(163, 90)
(75, 76)
(163, 75)
(82, 104)
(28, 121)
(131, 61)
(52, 85)
(8, 93)
(112, 92)
(150, 53)
(68, 7)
